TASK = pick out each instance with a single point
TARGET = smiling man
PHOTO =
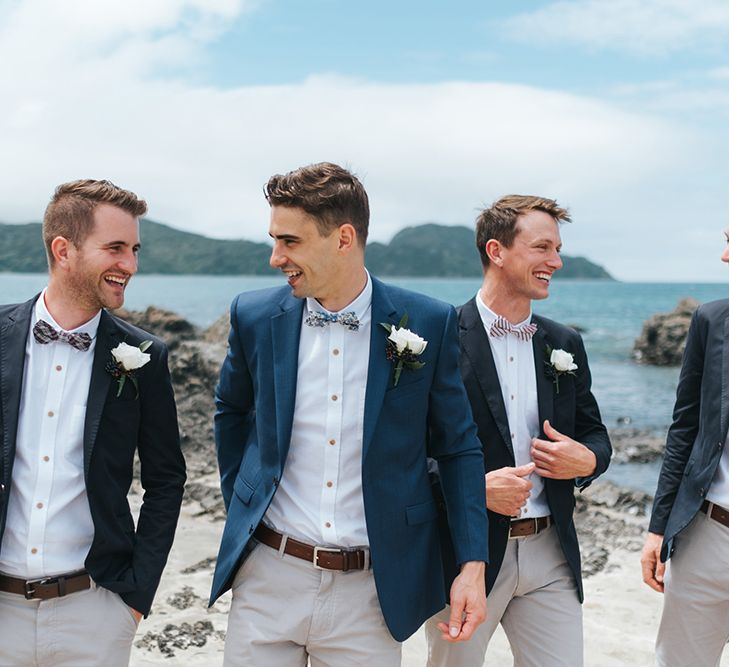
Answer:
(76, 575)
(331, 541)
(528, 382)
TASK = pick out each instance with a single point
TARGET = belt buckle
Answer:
(315, 559)
(29, 591)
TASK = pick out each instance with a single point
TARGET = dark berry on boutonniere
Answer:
(403, 347)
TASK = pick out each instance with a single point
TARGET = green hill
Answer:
(424, 250)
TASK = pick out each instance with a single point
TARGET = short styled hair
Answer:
(329, 193)
(499, 220)
(70, 213)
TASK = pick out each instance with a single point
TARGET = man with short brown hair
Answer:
(81, 392)
(528, 383)
(334, 392)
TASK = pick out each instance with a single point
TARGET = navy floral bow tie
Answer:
(501, 326)
(317, 318)
(45, 333)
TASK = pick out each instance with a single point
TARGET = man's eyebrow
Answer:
(284, 237)
(110, 244)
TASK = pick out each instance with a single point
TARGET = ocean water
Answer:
(610, 314)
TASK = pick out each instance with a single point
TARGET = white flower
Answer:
(562, 361)
(130, 357)
(405, 339)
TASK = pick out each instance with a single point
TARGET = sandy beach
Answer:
(621, 614)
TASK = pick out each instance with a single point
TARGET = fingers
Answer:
(652, 569)
(526, 469)
(551, 432)
(456, 618)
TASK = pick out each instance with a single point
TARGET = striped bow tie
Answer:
(318, 319)
(501, 326)
(44, 333)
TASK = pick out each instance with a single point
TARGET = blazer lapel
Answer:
(285, 334)
(475, 345)
(379, 372)
(545, 386)
(725, 381)
(107, 338)
(13, 338)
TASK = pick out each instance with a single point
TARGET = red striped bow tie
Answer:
(45, 333)
(501, 326)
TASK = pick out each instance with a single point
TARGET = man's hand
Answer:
(468, 602)
(650, 562)
(561, 457)
(507, 490)
(138, 615)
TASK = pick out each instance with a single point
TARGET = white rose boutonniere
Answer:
(402, 347)
(560, 363)
(127, 359)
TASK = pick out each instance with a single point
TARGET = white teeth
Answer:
(116, 279)
(543, 276)
(292, 274)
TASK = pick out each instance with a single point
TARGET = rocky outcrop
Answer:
(663, 338)
(633, 445)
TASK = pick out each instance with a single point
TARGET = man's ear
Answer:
(61, 249)
(347, 237)
(495, 252)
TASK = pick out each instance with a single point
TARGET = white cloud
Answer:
(647, 27)
(86, 99)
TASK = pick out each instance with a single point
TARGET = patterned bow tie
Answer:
(45, 333)
(318, 319)
(501, 326)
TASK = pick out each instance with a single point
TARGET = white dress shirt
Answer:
(514, 359)
(319, 499)
(49, 528)
(719, 489)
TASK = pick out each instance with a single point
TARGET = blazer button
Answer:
(702, 491)
(250, 530)
(275, 481)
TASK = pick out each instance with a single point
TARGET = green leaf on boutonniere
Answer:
(403, 347)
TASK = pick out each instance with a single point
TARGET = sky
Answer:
(618, 109)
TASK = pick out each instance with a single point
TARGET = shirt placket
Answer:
(332, 450)
(47, 452)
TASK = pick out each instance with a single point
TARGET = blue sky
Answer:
(616, 108)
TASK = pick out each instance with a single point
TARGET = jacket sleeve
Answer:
(685, 425)
(234, 403)
(454, 444)
(589, 429)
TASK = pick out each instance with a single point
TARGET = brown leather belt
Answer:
(524, 527)
(46, 588)
(716, 512)
(324, 558)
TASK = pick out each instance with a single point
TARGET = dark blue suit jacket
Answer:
(697, 436)
(124, 558)
(427, 414)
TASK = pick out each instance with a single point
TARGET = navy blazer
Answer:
(426, 414)
(697, 436)
(122, 558)
(573, 411)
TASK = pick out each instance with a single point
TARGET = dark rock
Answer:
(164, 324)
(185, 599)
(205, 564)
(632, 445)
(180, 637)
(663, 338)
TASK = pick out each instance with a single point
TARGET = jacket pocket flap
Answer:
(243, 490)
(421, 513)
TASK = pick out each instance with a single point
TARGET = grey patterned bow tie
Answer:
(45, 333)
(501, 326)
(317, 318)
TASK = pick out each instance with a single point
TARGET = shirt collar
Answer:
(488, 316)
(360, 305)
(41, 313)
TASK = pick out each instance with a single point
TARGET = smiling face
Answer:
(312, 262)
(96, 274)
(526, 267)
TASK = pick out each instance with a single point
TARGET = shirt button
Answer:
(34, 550)
(46, 459)
(328, 525)
(39, 506)
(512, 436)
(59, 368)
(334, 397)
(512, 397)
(335, 352)
(329, 484)
(332, 442)
(50, 413)
(511, 358)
